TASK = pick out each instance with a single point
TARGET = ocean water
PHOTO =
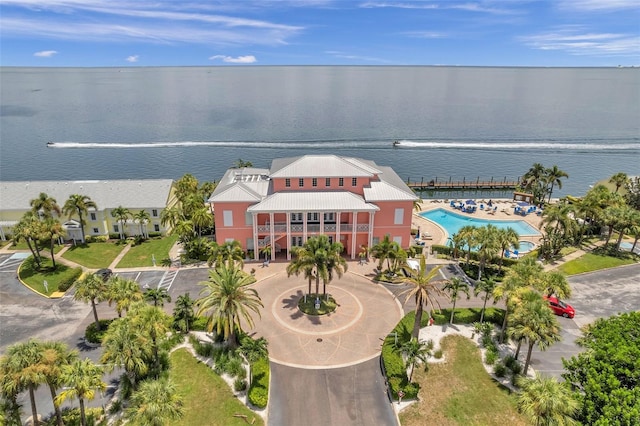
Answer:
(453, 122)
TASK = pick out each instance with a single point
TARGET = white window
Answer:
(296, 241)
(154, 212)
(296, 217)
(156, 227)
(329, 217)
(313, 217)
(397, 240)
(398, 219)
(227, 216)
(93, 216)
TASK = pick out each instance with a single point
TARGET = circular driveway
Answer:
(366, 313)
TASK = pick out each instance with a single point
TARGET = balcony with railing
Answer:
(312, 228)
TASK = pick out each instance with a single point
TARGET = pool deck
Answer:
(437, 235)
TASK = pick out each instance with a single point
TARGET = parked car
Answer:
(560, 308)
(105, 274)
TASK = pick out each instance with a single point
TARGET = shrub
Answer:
(92, 335)
(203, 349)
(438, 354)
(259, 390)
(466, 316)
(509, 361)
(394, 365)
(234, 367)
(490, 357)
(66, 284)
(500, 370)
(155, 234)
(516, 369)
(114, 236)
(200, 324)
(239, 385)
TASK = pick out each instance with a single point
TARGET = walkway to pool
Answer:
(504, 211)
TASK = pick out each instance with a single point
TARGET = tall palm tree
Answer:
(153, 322)
(79, 204)
(554, 282)
(533, 180)
(121, 215)
(619, 180)
(24, 366)
(415, 351)
(125, 347)
(505, 239)
(46, 205)
(552, 178)
(486, 286)
(202, 219)
(156, 403)
(55, 356)
(320, 258)
(454, 288)
(123, 292)
(83, 378)
(547, 402)
(509, 289)
(303, 262)
(422, 289)
(468, 235)
(29, 229)
(229, 253)
(92, 289)
(157, 296)
(336, 264)
(183, 311)
(240, 164)
(535, 322)
(226, 299)
(52, 232)
(10, 388)
(186, 186)
(170, 217)
(142, 217)
(417, 204)
(487, 240)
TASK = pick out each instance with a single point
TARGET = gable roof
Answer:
(107, 194)
(300, 201)
(319, 166)
(237, 192)
(384, 191)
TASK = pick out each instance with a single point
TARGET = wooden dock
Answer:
(474, 184)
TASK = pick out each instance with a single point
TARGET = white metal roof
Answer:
(383, 191)
(319, 166)
(299, 201)
(238, 192)
(107, 194)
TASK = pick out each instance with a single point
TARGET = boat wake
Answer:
(621, 145)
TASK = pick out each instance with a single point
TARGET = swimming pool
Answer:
(525, 246)
(452, 222)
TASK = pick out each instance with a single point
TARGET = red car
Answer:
(559, 307)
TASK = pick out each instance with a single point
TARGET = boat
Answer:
(50, 144)
(396, 143)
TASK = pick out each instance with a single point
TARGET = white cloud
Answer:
(133, 58)
(577, 42)
(344, 55)
(481, 7)
(599, 5)
(46, 53)
(248, 59)
(426, 34)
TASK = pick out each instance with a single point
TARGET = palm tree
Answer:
(52, 231)
(533, 181)
(185, 186)
(29, 229)
(417, 204)
(505, 239)
(619, 180)
(170, 217)
(83, 378)
(453, 288)
(230, 253)
(508, 289)
(486, 286)
(142, 217)
(156, 403)
(79, 204)
(384, 251)
(24, 368)
(10, 388)
(152, 322)
(183, 311)
(422, 290)
(547, 402)
(535, 322)
(55, 357)
(157, 296)
(553, 176)
(202, 219)
(45, 205)
(253, 350)
(304, 262)
(467, 234)
(227, 299)
(554, 282)
(487, 240)
(92, 289)
(335, 264)
(240, 164)
(121, 215)
(318, 258)
(123, 292)
(125, 347)
(415, 351)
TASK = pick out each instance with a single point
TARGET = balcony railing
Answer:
(312, 228)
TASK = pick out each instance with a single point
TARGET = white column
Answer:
(288, 220)
(272, 236)
(337, 227)
(304, 227)
(256, 248)
(370, 239)
(321, 222)
(354, 225)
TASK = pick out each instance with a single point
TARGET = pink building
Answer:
(351, 200)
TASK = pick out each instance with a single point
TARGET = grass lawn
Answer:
(460, 392)
(94, 255)
(208, 400)
(140, 255)
(592, 262)
(22, 245)
(35, 279)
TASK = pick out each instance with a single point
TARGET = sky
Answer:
(120, 33)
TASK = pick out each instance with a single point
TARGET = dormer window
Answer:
(354, 181)
(340, 181)
(301, 182)
(314, 182)
(327, 182)
(287, 183)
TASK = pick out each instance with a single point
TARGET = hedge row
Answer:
(66, 283)
(259, 390)
(465, 316)
(462, 255)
